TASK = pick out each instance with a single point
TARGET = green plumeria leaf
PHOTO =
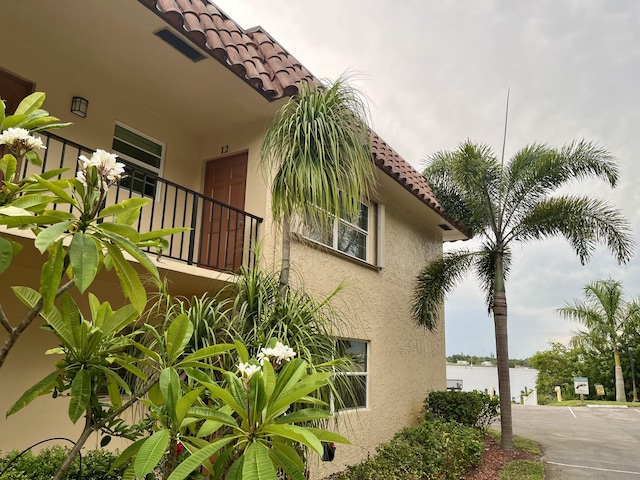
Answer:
(129, 280)
(151, 452)
(170, 388)
(8, 165)
(184, 404)
(304, 415)
(84, 258)
(327, 436)
(122, 230)
(164, 232)
(129, 204)
(178, 335)
(30, 103)
(257, 464)
(287, 462)
(51, 275)
(297, 434)
(42, 387)
(80, 395)
(206, 352)
(50, 234)
(198, 458)
(128, 217)
(6, 253)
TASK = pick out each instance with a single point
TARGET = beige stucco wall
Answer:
(405, 362)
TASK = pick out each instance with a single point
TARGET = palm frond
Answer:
(318, 147)
(434, 282)
(466, 182)
(485, 266)
(585, 222)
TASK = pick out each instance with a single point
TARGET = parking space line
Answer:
(593, 468)
(574, 415)
(636, 410)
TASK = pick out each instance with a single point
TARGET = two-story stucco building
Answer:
(184, 95)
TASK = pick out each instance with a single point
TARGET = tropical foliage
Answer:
(515, 203)
(317, 155)
(96, 235)
(607, 319)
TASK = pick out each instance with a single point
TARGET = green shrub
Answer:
(474, 409)
(434, 449)
(44, 464)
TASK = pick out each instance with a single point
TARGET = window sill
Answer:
(337, 253)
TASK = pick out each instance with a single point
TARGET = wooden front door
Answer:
(222, 236)
(13, 89)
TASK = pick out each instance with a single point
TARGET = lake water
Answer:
(482, 378)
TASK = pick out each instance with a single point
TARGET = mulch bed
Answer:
(494, 459)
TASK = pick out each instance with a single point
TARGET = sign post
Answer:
(581, 387)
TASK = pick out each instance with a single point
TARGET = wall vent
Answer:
(180, 45)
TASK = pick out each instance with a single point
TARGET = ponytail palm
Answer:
(318, 150)
(507, 204)
(606, 316)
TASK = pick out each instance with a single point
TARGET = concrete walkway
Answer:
(583, 443)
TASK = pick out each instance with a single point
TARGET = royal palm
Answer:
(515, 203)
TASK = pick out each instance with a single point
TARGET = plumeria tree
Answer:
(97, 235)
(245, 429)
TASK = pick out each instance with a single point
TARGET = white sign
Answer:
(581, 385)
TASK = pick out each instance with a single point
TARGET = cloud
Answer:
(437, 73)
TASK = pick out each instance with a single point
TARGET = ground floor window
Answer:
(352, 385)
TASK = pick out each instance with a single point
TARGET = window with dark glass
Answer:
(349, 237)
(142, 157)
(351, 385)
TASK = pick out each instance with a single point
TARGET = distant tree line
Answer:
(602, 349)
(476, 360)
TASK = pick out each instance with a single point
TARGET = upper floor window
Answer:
(349, 237)
(142, 156)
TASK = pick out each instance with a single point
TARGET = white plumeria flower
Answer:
(108, 168)
(279, 353)
(20, 141)
(247, 369)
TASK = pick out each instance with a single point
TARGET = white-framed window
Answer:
(351, 238)
(143, 157)
(352, 385)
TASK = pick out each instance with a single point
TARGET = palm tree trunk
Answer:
(621, 396)
(285, 266)
(504, 382)
(502, 354)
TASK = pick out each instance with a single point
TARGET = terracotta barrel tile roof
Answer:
(263, 63)
(251, 54)
(396, 167)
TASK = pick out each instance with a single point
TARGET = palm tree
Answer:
(606, 316)
(504, 205)
(319, 150)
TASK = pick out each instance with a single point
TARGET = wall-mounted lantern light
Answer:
(79, 106)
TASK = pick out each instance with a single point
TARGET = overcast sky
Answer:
(437, 73)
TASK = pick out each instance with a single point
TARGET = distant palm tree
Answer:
(506, 204)
(318, 149)
(606, 316)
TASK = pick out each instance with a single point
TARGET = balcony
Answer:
(220, 237)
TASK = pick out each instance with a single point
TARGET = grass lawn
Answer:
(521, 469)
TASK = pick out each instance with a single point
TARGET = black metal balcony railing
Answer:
(220, 236)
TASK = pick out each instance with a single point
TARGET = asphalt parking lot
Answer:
(583, 443)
